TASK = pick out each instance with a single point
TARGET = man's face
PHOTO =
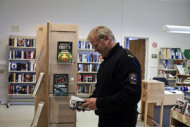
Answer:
(99, 46)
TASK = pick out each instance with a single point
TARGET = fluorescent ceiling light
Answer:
(176, 29)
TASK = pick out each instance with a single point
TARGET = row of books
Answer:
(84, 45)
(88, 67)
(183, 106)
(183, 80)
(85, 89)
(22, 54)
(22, 77)
(89, 58)
(16, 89)
(171, 53)
(86, 78)
(16, 42)
(169, 64)
(167, 75)
(24, 66)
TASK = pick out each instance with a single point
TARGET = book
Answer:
(180, 69)
(60, 84)
(180, 105)
(64, 52)
(187, 110)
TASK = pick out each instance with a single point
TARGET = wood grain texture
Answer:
(42, 66)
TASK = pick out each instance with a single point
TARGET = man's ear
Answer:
(106, 37)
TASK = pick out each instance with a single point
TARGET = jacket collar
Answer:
(112, 51)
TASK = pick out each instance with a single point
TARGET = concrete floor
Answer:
(22, 115)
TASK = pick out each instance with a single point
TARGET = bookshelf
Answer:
(88, 64)
(22, 69)
(178, 120)
(173, 66)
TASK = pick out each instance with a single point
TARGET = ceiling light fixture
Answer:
(176, 29)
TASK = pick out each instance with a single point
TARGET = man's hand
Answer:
(89, 103)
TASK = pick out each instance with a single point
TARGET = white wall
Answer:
(137, 18)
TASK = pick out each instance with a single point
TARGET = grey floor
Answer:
(22, 115)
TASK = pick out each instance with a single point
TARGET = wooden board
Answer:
(152, 85)
(42, 66)
(152, 95)
(170, 99)
(59, 111)
(63, 33)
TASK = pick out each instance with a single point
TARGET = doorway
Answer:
(137, 46)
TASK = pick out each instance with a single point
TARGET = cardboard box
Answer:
(59, 111)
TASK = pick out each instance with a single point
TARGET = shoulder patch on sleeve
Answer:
(133, 78)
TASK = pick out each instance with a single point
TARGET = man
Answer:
(118, 87)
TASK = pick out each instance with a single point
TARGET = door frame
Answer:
(146, 53)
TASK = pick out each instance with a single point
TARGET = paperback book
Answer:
(64, 52)
(60, 84)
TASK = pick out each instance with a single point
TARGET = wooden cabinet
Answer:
(152, 93)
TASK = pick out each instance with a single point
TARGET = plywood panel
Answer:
(63, 33)
(64, 69)
(59, 110)
(42, 66)
(65, 27)
(62, 36)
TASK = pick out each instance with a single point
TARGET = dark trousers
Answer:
(118, 120)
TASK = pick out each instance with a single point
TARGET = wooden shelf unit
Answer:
(22, 50)
(88, 59)
(168, 59)
(178, 119)
(56, 111)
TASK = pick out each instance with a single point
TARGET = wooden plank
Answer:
(42, 66)
(37, 114)
(152, 85)
(65, 27)
(170, 99)
(152, 95)
(56, 68)
(59, 111)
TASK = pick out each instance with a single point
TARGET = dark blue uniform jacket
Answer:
(118, 87)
